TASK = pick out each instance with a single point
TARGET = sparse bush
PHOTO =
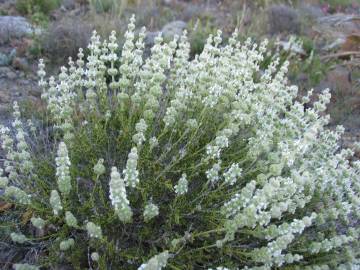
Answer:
(338, 3)
(65, 37)
(282, 18)
(112, 6)
(31, 6)
(167, 163)
(198, 32)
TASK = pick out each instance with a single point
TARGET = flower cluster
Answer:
(182, 186)
(131, 174)
(231, 175)
(99, 168)
(63, 169)
(93, 230)
(151, 210)
(118, 196)
(38, 222)
(55, 202)
(70, 219)
(140, 127)
(17, 161)
(18, 238)
(95, 256)
(157, 262)
(67, 244)
(25, 266)
(17, 194)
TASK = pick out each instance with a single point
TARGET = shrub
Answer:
(65, 38)
(113, 6)
(198, 32)
(170, 163)
(282, 18)
(32, 6)
(338, 3)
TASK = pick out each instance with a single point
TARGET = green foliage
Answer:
(115, 7)
(338, 3)
(3, 12)
(40, 19)
(198, 32)
(315, 68)
(33, 6)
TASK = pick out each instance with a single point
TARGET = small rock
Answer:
(21, 64)
(4, 97)
(11, 75)
(4, 59)
(14, 27)
(24, 82)
(69, 4)
(35, 92)
(339, 24)
(4, 111)
(173, 28)
(4, 70)
(283, 19)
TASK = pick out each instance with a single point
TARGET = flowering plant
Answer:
(168, 162)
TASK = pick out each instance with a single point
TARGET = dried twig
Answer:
(340, 54)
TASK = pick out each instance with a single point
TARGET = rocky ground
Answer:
(330, 35)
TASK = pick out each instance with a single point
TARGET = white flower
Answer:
(18, 238)
(151, 210)
(93, 230)
(118, 196)
(99, 168)
(182, 186)
(232, 174)
(70, 219)
(38, 222)
(213, 173)
(157, 262)
(131, 174)
(140, 127)
(153, 142)
(67, 244)
(25, 266)
(95, 256)
(63, 169)
(17, 194)
(55, 202)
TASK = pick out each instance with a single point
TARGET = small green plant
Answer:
(28, 7)
(338, 3)
(168, 162)
(115, 7)
(198, 32)
(40, 19)
(3, 12)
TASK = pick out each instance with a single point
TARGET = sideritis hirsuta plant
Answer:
(170, 163)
